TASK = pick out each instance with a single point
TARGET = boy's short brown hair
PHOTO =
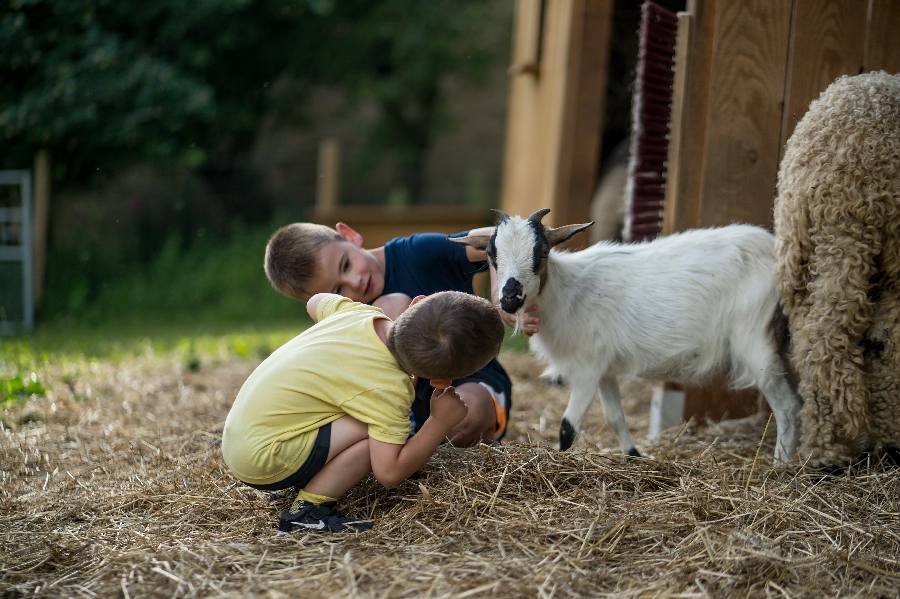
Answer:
(292, 255)
(448, 335)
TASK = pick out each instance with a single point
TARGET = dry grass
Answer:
(121, 491)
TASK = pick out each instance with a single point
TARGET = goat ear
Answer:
(560, 234)
(479, 242)
(501, 216)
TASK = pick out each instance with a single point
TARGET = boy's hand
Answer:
(447, 408)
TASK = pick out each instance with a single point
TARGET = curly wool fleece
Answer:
(837, 228)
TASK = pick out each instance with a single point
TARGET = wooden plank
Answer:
(554, 84)
(41, 217)
(524, 152)
(883, 47)
(328, 183)
(827, 41)
(684, 184)
(743, 121)
(581, 121)
(677, 129)
(379, 224)
(555, 112)
(715, 401)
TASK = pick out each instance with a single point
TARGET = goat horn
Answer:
(501, 216)
(537, 216)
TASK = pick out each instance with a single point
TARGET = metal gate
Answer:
(16, 258)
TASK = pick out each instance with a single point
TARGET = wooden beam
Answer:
(41, 216)
(694, 60)
(329, 173)
(583, 105)
(882, 45)
(746, 90)
(555, 116)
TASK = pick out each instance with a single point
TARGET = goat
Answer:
(678, 308)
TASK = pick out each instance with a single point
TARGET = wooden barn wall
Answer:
(560, 53)
(828, 39)
(749, 69)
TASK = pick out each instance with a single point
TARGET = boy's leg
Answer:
(347, 463)
(481, 419)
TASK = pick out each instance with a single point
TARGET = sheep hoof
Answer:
(555, 381)
(633, 453)
(566, 435)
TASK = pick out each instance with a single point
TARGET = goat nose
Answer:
(512, 298)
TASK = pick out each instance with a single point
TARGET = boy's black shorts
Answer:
(316, 460)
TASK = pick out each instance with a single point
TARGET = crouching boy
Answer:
(333, 404)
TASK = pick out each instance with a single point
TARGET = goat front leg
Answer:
(584, 391)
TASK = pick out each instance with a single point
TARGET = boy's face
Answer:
(347, 269)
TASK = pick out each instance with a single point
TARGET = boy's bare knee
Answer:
(345, 432)
(480, 419)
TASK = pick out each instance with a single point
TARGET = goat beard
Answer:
(520, 322)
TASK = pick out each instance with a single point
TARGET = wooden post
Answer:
(328, 183)
(41, 216)
(556, 104)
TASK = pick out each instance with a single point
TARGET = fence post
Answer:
(41, 216)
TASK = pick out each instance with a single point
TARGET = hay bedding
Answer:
(121, 492)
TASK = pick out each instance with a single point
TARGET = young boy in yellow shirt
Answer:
(333, 404)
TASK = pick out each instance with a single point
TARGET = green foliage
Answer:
(16, 389)
(104, 82)
(399, 53)
(209, 282)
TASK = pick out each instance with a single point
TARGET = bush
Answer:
(211, 281)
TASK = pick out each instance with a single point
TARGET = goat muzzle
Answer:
(512, 297)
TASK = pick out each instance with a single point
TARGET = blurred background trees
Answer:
(174, 124)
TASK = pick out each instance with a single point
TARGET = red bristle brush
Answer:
(650, 115)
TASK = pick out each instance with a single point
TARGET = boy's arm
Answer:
(313, 303)
(392, 464)
(393, 304)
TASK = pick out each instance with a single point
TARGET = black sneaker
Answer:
(322, 518)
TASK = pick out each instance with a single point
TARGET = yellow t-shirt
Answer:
(337, 367)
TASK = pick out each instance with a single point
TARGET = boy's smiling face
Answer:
(347, 269)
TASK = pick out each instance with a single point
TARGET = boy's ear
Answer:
(479, 242)
(345, 231)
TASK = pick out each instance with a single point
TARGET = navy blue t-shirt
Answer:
(425, 263)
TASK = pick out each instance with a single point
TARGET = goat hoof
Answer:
(566, 435)
(633, 453)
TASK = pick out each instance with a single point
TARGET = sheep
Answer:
(678, 308)
(837, 247)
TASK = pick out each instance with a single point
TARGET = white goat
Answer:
(679, 308)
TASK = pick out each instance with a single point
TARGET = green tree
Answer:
(104, 82)
(399, 53)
